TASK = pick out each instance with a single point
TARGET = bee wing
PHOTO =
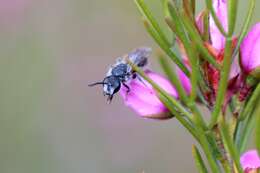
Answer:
(139, 56)
(109, 71)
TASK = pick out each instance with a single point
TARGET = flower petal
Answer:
(217, 39)
(250, 160)
(142, 97)
(200, 22)
(249, 49)
(184, 79)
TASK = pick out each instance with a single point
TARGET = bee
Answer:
(120, 73)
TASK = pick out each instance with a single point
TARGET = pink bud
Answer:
(217, 39)
(250, 161)
(249, 51)
(142, 97)
(184, 79)
(200, 21)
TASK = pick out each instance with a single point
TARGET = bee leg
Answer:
(109, 99)
(134, 76)
(127, 87)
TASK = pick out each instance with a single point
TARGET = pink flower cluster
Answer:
(143, 99)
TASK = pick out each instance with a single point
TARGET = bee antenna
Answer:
(96, 83)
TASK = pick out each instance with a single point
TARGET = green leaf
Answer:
(250, 104)
(208, 150)
(246, 131)
(179, 116)
(257, 130)
(167, 68)
(232, 16)
(166, 48)
(209, 4)
(196, 38)
(229, 145)
(198, 160)
(223, 83)
(148, 15)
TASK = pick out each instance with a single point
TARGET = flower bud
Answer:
(143, 99)
(250, 161)
(184, 79)
(217, 39)
(249, 52)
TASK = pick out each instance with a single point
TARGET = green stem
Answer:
(177, 26)
(246, 130)
(166, 48)
(208, 151)
(257, 130)
(198, 160)
(232, 13)
(180, 27)
(230, 146)
(209, 4)
(147, 13)
(206, 26)
(223, 157)
(232, 16)
(245, 123)
(251, 103)
(173, 77)
(223, 83)
(195, 36)
(178, 116)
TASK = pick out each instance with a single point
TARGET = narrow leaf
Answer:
(147, 13)
(166, 48)
(198, 160)
(230, 146)
(257, 130)
(165, 64)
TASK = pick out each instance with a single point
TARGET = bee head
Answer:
(111, 85)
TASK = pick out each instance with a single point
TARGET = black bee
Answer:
(121, 72)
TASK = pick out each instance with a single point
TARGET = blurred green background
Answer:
(50, 120)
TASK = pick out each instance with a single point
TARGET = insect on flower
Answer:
(121, 72)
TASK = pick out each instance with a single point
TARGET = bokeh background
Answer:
(50, 120)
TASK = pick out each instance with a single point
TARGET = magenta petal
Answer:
(235, 69)
(217, 39)
(143, 99)
(249, 49)
(185, 81)
(250, 160)
(200, 22)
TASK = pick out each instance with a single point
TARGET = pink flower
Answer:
(250, 161)
(199, 22)
(216, 47)
(217, 39)
(249, 51)
(184, 79)
(142, 97)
